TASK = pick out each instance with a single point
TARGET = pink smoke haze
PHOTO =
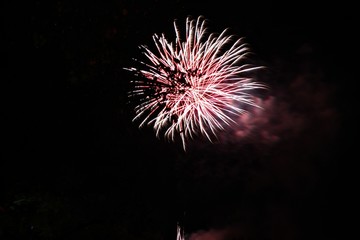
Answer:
(288, 112)
(209, 235)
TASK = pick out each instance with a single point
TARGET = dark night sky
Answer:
(75, 166)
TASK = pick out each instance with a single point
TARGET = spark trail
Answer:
(196, 86)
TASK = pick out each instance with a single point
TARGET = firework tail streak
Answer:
(193, 86)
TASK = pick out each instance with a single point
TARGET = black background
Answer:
(75, 166)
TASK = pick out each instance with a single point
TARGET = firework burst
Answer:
(195, 86)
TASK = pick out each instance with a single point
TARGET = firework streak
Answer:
(196, 86)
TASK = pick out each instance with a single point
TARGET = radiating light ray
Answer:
(193, 86)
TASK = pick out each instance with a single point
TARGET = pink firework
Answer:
(195, 86)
